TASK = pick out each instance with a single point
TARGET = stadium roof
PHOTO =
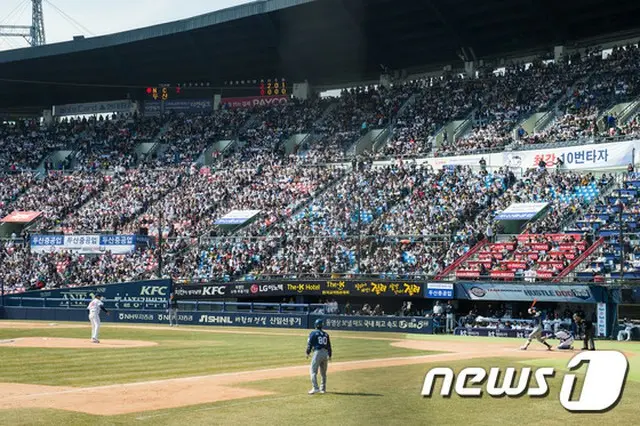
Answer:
(323, 41)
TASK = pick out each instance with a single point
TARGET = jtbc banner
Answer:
(152, 294)
(391, 324)
(494, 332)
(307, 288)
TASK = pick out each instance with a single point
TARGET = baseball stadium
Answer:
(331, 212)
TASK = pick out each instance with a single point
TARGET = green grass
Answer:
(385, 396)
(389, 396)
(180, 353)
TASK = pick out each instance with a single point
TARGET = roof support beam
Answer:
(466, 49)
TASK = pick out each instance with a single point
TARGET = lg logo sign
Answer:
(602, 385)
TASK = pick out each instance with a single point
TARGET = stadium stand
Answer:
(324, 211)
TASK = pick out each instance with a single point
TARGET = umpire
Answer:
(587, 329)
(173, 310)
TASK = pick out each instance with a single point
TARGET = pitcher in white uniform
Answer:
(95, 306)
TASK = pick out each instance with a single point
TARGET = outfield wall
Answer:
(147, 301)
(303, 320)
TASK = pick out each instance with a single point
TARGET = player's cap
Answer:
(319, 323)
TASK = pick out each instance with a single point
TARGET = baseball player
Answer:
(173, 310)
(321, 345)
(94, 308)
(537, 329)
(566, 339)
(587, 330)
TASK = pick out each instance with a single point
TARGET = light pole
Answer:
(621, 207)
(359, 233)
(160, 243)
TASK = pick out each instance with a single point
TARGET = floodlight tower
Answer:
(34, 34)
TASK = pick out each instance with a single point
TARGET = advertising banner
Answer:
(592, 156)
(439, 291)
(369, 288)
(598, 156)
(189, 106)
(367, 323)
(253, 101)
(237, 217)
(232, 319)
(122, 106)
(152, 294)
(521, 211)
(21, 217)
(526, 292)
(86, 244)
(494, 332)
(602, 319)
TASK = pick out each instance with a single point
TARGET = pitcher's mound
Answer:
(63, 342)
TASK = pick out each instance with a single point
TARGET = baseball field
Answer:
(51, 374)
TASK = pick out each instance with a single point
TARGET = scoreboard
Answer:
(161, 93)
(273, 87)
(231, 88)
(255, 87)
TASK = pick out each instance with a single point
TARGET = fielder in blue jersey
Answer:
(320, 343)
(537, 318)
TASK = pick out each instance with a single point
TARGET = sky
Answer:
(101, 17)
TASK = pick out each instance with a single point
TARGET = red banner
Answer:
(555, 264)
(503, 274)
(21, 217)
(480, 262)
(467, 274)
(539, 246)
(254, 101)
(516, 265)
(502, 246)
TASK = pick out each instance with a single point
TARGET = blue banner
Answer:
(521, 211)
(527, 292)
(371, 323)
(232, 319)
(86, 244)
(152, 294)
(439, 291)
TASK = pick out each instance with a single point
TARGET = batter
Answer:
(537, 329)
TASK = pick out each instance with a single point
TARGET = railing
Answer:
(544, 120)
(449, 269)
(566, 271)
(627, 112)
